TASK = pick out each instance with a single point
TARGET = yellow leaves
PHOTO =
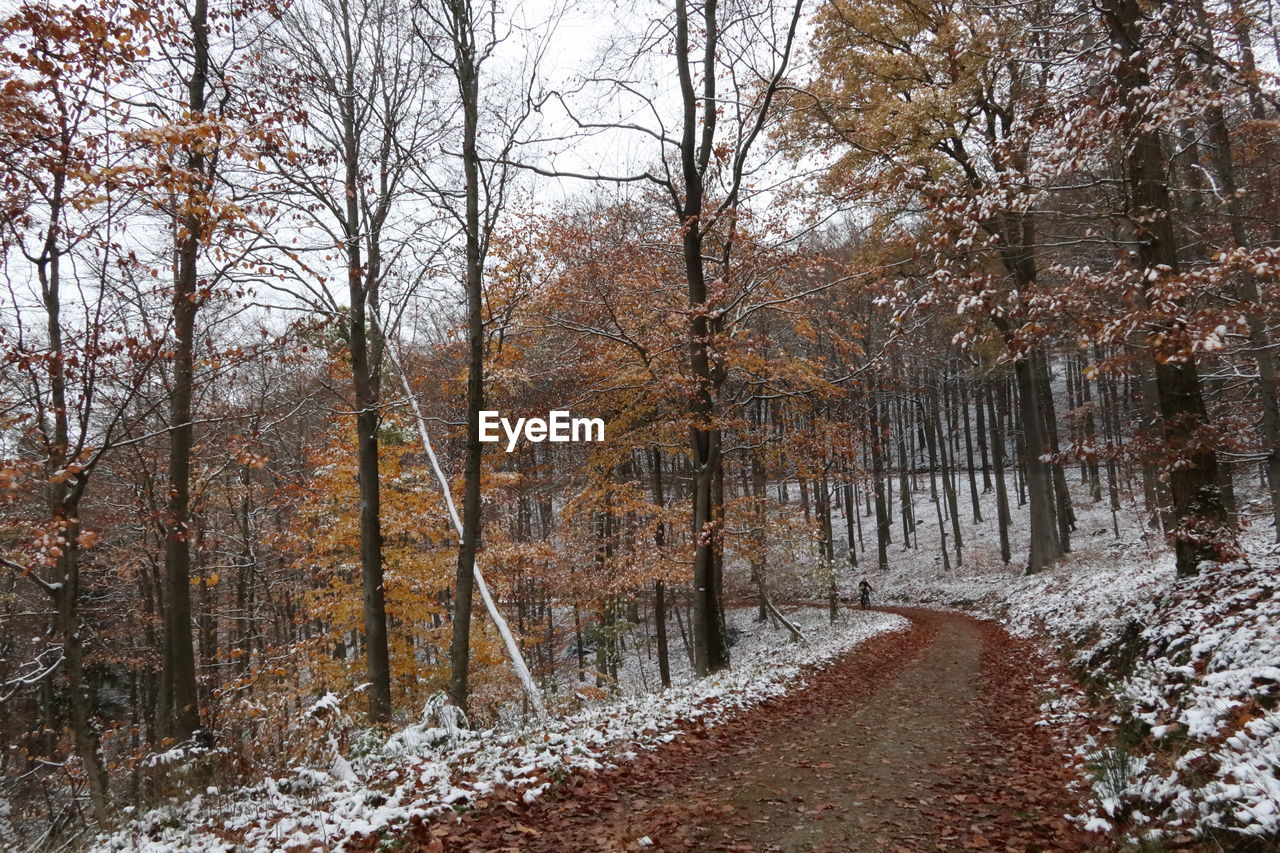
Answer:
(84, 202)
(898, 78)
(805, 329)
(419, 558)
(592, 694)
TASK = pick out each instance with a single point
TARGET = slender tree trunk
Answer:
(659, 592)
(758, 558)
(932, 442)
(1090, 432)
(64, 497)
(997, 458)
(1061, 495)
(979, 392)
(1155, 493)
(182, 716)
(469, 91)
(878, 434)
(823, 495)
(1259, 343)
(365, 370)
(1110, 412)
(710, 646)
(858, 499)
(579, 645)
(962, 393)
(83, 732)
(949, 483)
(240, 638)
(606, 628)
(904, 478)
(850, 511)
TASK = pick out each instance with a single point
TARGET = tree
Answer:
(463, 37)
(178, 691)
(361, 80)
(66, 187)
(703, 175)
(1193, 479)
(928, 110)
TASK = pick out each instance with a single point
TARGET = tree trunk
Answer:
(905, 507)
(1045, 546)
(823, 505)
(1090, 426)
(1197, 498)
(758, 557)
(962, 394)
(64, 496)
(979, 404)
(1259, 344)
(932, 441)
(659, 592)
(181, 717)
(878, 434)
(469, 91)
(850, 511)
(997, 458)
(365, 372)
(711, 651)
(948, 481)
(1061, 496)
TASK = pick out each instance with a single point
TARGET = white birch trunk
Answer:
(513, 650)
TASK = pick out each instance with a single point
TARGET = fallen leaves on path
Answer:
(793, 773)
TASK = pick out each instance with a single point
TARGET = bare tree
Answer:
(364, 85)
(730, 63)
(463, 37)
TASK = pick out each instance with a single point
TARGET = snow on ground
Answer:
(433, 767)
(1186, 672)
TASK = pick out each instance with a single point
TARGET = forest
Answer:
(965, 308)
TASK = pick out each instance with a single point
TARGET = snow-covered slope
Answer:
(431, 767)
(1184, 673)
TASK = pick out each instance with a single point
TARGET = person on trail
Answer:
(864, 593)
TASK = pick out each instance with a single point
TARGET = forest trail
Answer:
(918, 740)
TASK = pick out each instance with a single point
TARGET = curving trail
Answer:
(919, 740)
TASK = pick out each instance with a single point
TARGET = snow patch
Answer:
(436, 765)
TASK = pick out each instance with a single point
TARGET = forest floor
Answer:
(917, 740)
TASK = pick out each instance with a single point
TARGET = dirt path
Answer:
(919, 740)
